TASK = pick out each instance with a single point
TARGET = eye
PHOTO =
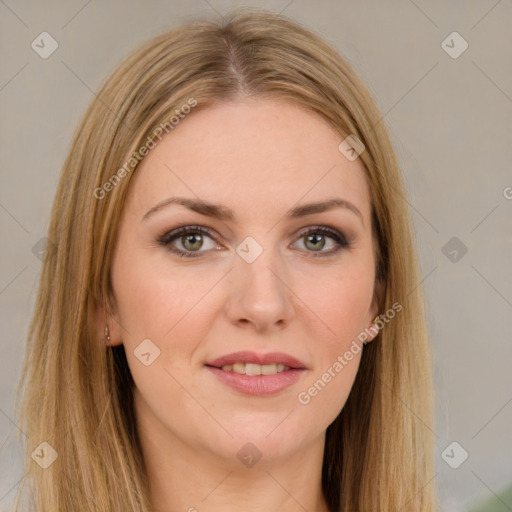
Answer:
(315, 239)
(190, 238)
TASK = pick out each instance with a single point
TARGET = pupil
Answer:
(315, 239)
(194, 240)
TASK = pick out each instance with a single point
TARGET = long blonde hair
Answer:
(77, 394)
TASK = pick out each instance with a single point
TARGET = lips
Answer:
(248, 357)
(257, 374)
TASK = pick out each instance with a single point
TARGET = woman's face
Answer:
(255, 279)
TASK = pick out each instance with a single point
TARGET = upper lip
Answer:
(247, 356)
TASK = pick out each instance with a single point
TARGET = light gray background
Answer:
(450, 120)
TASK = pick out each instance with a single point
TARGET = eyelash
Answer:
(170, 236)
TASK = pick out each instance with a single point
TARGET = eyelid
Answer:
(339, 237)
(171, 235)
(324, 229)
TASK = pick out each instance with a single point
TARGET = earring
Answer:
(375, 320)
(107, 334)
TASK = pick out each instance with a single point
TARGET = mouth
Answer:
(253, 369)
(253, 362)
(257, 374)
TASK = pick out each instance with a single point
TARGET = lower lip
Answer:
(258, 385)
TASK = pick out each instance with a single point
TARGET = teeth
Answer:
(255, 369)
(239, 368)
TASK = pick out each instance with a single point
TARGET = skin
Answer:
(259, 158)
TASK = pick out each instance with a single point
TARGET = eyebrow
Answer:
(223, 213)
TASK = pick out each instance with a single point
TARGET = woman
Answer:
(231, 317)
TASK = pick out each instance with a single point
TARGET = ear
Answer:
(99, 321)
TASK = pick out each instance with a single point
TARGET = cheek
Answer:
(342, 305)
(153, 297)
(170, 307)
(160, 304)
(342, 302)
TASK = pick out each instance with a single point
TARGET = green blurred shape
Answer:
(501, 503)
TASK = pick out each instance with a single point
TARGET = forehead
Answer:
(253, 155)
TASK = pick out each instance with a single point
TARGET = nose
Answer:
(259, 294)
